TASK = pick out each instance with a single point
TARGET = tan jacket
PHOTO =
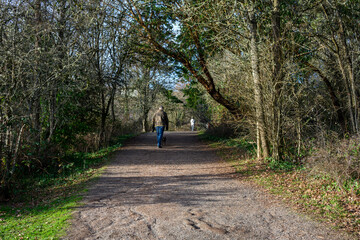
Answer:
(160, 119)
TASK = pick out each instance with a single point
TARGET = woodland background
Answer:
(281, 75)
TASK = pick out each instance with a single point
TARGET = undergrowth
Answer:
(316, 194)
(42, 205)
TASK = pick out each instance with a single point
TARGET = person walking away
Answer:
(192, 124)
(160, 123)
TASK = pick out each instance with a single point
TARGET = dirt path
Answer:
(182, 191)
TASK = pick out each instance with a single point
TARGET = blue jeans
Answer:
(160, 133)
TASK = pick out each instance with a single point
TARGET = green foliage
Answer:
(77, 162)
(54, 194)
(194, 97)
(63, 169)
(352, 186)
(75, 117)
(281, 164)
(210, 137)
(239, 143)
(45, 221)
(242, 143)
(121, 139)
(170, 97)
(196, 102)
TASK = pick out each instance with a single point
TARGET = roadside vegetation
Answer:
(321, 194)
(282, 75)
(42, 204)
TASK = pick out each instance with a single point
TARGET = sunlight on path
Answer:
(182, 191)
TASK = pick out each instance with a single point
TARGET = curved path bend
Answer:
(182, 191)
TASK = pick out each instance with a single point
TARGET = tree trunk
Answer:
(257, 85)
(348, 94)
(342, 54)
(145, 123)
(258, 143)
(52, 109)
(277, 78)
(36, 108)
(61, 52)
(348, 73)
(103, 120)
(105, 109)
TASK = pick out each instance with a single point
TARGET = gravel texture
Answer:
(183, 191)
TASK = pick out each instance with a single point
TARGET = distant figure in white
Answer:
(192, 124)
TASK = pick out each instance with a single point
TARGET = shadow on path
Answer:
(182, 191)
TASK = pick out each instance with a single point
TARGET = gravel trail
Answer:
(183, 191)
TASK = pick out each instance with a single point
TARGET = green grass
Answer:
(45, 221)
(47, 214)
(43, 204)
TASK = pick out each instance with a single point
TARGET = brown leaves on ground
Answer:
(318, 196)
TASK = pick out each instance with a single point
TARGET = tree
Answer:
(147, 86)
(47, 92)
(334, 36)
(260, 120)
(156, 27)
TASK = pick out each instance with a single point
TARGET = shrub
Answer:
(222, 131)
(340, 160)
(284, 165)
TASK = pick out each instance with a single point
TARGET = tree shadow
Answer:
(129, 182)
(185, 190)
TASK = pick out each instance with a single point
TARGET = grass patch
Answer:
(45, 221)
(42, 205)
(316, 195)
